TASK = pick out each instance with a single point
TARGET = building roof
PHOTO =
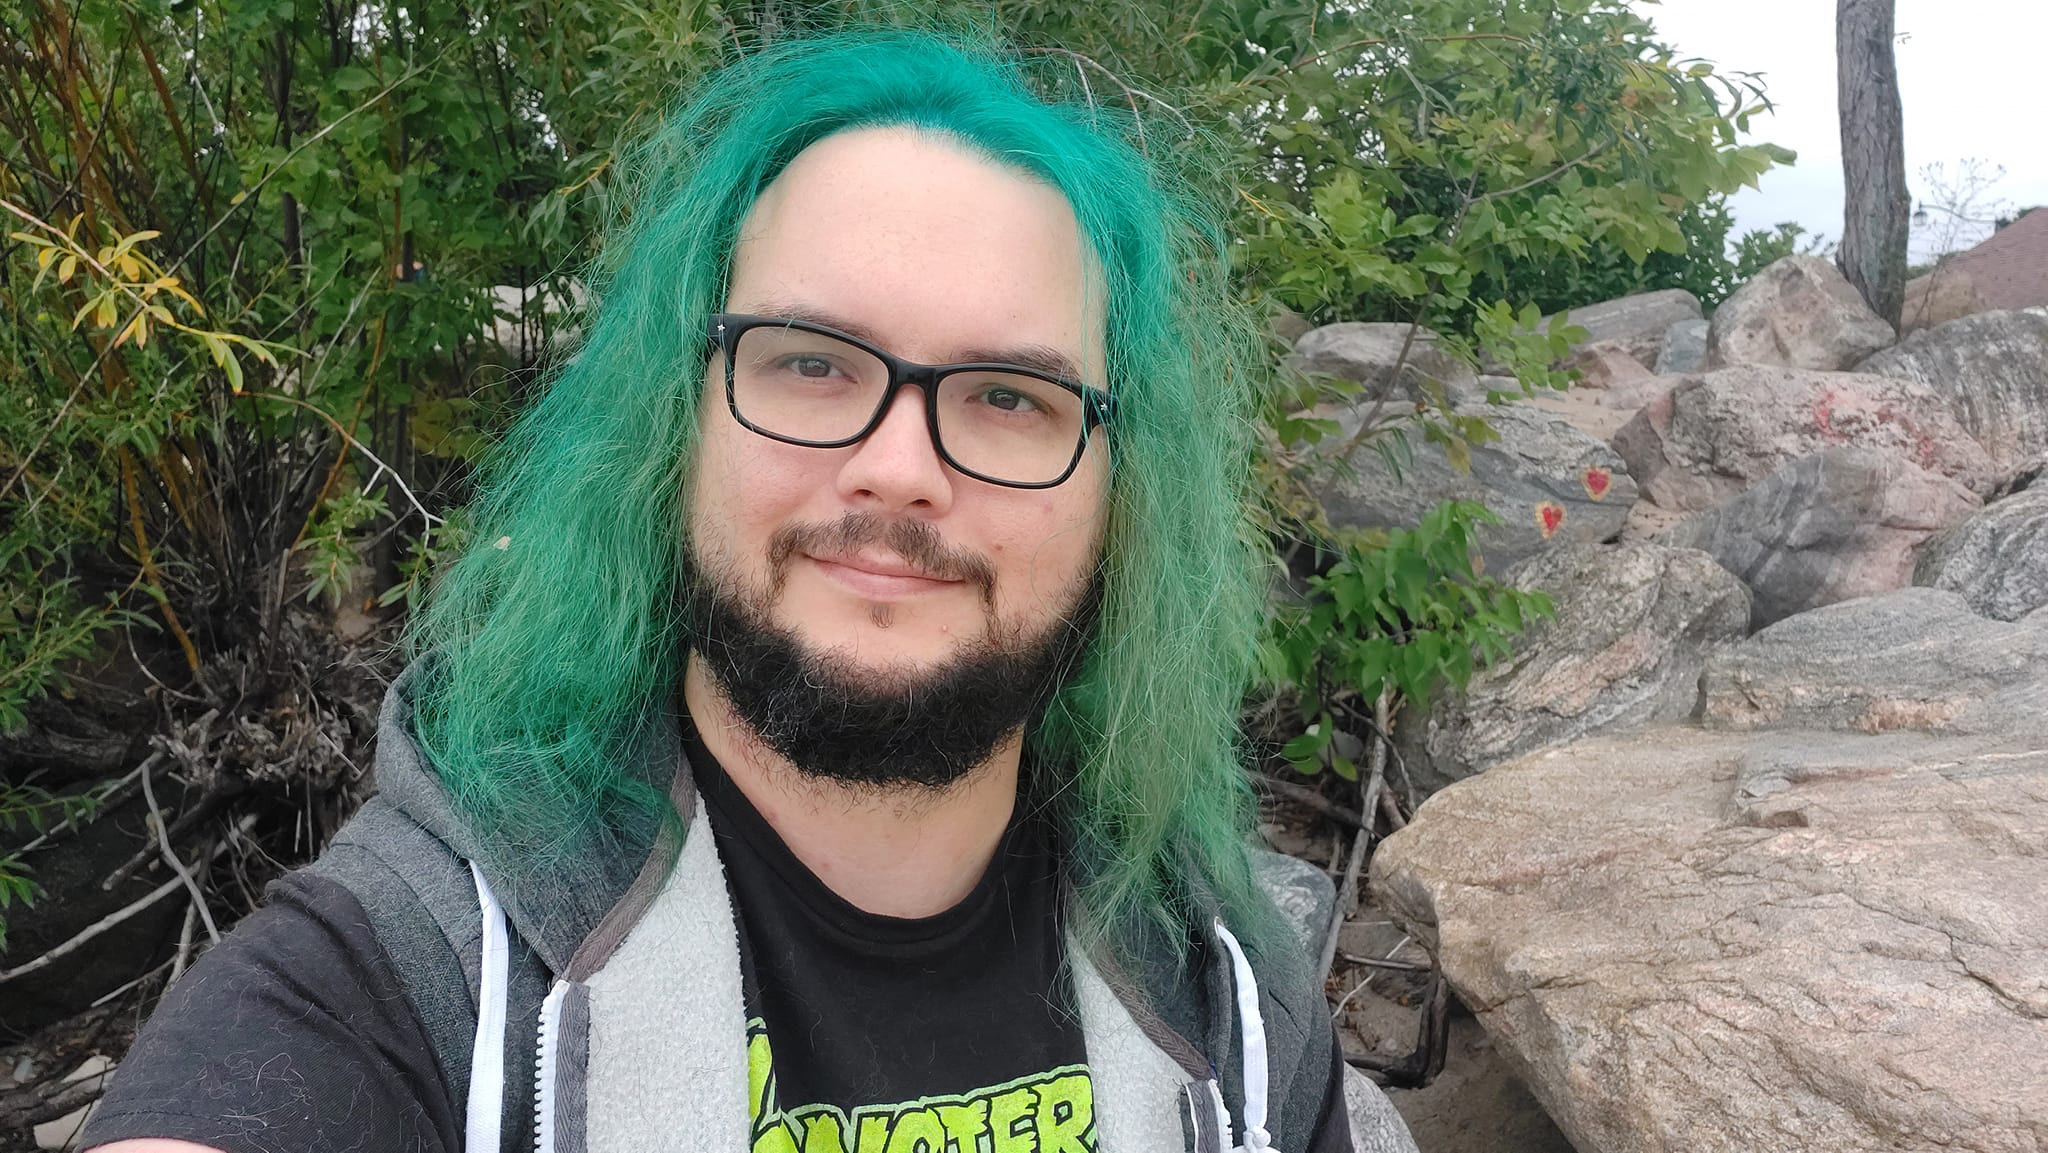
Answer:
(2010, 270)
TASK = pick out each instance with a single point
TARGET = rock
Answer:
(1943, 295)
(1367, 353)
(1303, 893)
(1721, 942)
(1914, 658)
(1599, 413)
(1800, 313)
(1991, 368)
(1548, 482)
(1685, 348)
(1634, 626)
(1826, 528)
(1714, 435)
(1375, 1126)
(1997, 560)
(1287, 326)
(2020, 477)
(1636, 323)
(1607, 364)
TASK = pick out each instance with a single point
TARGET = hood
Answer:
(554, 905)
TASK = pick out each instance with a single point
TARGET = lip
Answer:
(879, 577)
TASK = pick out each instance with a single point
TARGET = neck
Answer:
(909, 852)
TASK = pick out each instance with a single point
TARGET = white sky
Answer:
(1973, 81)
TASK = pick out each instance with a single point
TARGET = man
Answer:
(829, 744)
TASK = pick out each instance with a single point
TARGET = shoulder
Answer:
(292, 1033)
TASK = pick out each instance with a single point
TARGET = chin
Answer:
(901, 648)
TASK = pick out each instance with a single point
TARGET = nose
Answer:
(897, 468)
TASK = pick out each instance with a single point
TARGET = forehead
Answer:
(931, 247)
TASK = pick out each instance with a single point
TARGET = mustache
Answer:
(914, 540)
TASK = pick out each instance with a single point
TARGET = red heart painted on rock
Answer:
(1598, 481)
(1550, 518)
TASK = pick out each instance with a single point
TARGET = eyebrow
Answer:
(1039, 357)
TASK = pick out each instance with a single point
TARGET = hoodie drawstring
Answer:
(487, 1059)
(1253, 1028)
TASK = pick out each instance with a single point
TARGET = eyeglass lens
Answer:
(809, 387)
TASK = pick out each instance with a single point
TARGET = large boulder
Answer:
(1800, 313)
(1826, 528)
(1635, 624)
(1608, 364)
(1940, 296)
(1368, 351)
(1711, 436)
(1991, 368)
(1548, 482)
(1637, 323)
(1711, 942)
(1914, 658)
(1684, 350)
(1997, 560)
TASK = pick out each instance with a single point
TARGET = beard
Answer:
(836, 720)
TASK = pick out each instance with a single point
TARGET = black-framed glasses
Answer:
(803, 383)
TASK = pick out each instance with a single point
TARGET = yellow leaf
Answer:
(108, 313)
(238, 197)
(64, 270)
(130, 270)
(141, 327)
(43, 258)
(84, 310)
(234, 368)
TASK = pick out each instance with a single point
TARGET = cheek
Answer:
(1054, 555)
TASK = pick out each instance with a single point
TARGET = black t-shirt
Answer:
(953, 1023)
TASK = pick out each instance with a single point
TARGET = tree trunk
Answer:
(1878, 207)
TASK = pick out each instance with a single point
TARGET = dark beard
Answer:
(834, 720)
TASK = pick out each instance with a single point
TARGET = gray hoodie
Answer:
(599, 1006)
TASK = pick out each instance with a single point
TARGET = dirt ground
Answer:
(1477, 1105)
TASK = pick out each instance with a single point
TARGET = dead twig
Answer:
(163, 842)
(21, 1112)
(185, 931)
(1347, 893)
(1432, 1044)
(1303, 795)
(94, 930)
(1388, 963)
(114, 793)
(1391, 810)
(187, 821)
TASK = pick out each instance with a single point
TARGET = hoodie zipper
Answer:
(544, 1069)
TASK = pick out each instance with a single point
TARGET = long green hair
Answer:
(556, 636)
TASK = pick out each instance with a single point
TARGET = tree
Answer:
(1878, 208)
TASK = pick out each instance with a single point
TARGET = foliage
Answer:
(1760, 248)
(246, 316)
(1405, 614)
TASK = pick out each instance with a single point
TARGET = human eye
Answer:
(1005, 398)
(811, 366)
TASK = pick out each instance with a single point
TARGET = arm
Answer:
(293, 1034)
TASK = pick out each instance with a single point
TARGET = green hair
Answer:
(556, 636)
